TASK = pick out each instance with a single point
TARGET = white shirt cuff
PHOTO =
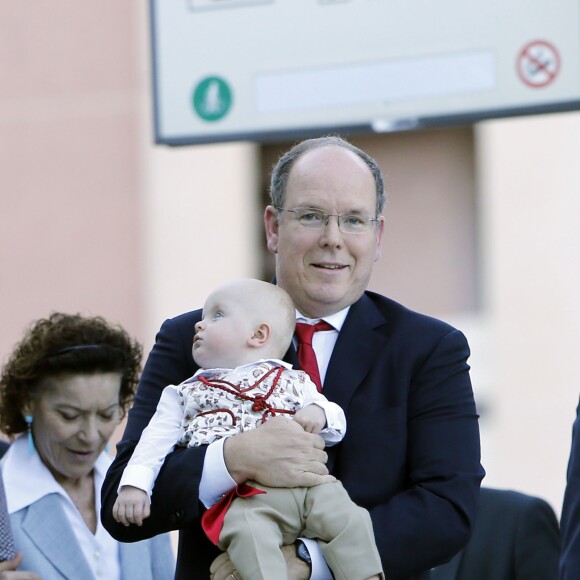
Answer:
(320, 569)
(215, 478)
(335, 428)
(138, 476)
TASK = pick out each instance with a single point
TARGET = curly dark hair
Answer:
(65, 344)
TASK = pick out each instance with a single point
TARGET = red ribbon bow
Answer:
(212, 520)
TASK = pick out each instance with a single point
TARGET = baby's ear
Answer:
(260, 336)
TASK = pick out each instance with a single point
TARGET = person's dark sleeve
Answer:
(537, 543)
(516, 536)
(174, 502)
(570, 521)
(432, 518)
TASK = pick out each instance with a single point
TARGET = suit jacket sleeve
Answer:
(174, 502)
(516, 536)
(570, 522)
(537, 543)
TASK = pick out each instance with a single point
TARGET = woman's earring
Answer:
(31, 449)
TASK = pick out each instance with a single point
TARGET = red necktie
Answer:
(306, 354)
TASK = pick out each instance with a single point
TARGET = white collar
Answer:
(242, 368)
(27, 479)
(335, 320)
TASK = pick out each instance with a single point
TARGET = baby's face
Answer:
(221, 336)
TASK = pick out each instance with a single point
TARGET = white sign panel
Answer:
(269, 69)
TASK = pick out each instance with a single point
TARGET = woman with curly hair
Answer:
(64, 389)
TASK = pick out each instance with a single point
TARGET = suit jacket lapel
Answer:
(356, 349)
(47, 527)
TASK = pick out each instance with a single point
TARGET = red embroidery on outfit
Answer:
(260, 402)
(224, 410)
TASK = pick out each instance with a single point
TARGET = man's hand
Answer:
(223, 569)
(278, 454)
(312, 418)
(8, 570)
(132, 506)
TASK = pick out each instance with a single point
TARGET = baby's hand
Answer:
(312, 418)
(132, 506)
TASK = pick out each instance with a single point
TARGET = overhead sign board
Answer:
(269, 69)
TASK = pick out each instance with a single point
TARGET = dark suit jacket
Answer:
(570, 521)
(516, 538)
(410, 455)
(3, 447)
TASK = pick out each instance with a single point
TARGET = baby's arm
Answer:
(156, 441)
(312, 418)
(132, 506)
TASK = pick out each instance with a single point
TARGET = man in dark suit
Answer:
(570, 521)
(411, 453)
(516, 538)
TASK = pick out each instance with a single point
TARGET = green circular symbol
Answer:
(212, 99)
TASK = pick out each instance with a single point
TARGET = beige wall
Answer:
(201, 220)
(530, 213)
(70, 229)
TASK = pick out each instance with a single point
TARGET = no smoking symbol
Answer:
(538, 64)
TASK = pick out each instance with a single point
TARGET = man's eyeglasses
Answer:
(348, 223)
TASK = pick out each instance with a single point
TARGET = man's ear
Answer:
(261, 335)
(379, 236)
(271, 226)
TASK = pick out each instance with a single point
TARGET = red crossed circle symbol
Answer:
(538, 64)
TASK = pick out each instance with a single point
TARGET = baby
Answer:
(246, 329)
